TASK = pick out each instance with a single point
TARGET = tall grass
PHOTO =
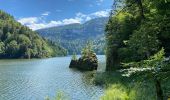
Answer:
(119, 87)
(116, 92)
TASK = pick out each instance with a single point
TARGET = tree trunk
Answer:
(141, 8)
(159, 91)
(112, 59)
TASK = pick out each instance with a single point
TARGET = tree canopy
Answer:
(136, 30)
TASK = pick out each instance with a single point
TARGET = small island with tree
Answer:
(88, 60)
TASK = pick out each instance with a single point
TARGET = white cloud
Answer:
(45, 13)
(71, 21)
(79, 14)
(29, 20)
(84, 17)
(38, 23)
(36, 26)
(104, 13)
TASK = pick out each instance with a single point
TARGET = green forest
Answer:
(18, 41)
(138, 50)
(137, 30)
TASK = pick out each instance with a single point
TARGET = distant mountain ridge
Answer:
(74, 36)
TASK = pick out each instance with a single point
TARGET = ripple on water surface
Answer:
(36, 79)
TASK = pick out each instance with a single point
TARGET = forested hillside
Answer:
(18, 41)
(73, 37)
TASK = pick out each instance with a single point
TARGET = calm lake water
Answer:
(37, 78)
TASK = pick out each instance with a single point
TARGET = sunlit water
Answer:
(36, 79)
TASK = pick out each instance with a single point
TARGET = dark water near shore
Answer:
(37, 78)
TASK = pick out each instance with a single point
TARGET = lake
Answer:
(37, 78)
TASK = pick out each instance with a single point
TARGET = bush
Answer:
(116, 92)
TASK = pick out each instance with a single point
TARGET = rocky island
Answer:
(88, 60)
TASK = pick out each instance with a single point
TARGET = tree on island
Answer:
(87, 51)
(88, 60)
(74, 57)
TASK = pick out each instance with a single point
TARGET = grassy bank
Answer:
(119, 87)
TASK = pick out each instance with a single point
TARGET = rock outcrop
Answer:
(85, 63)
(73, 64)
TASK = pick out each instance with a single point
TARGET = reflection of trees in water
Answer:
(89, 86)
(87, 77)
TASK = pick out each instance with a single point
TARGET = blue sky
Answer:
(38, 14)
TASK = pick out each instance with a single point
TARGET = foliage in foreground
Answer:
(136, 30)
(145, 80)
(119, 87)
(135, 34)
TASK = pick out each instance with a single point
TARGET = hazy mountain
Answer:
(74, 36)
